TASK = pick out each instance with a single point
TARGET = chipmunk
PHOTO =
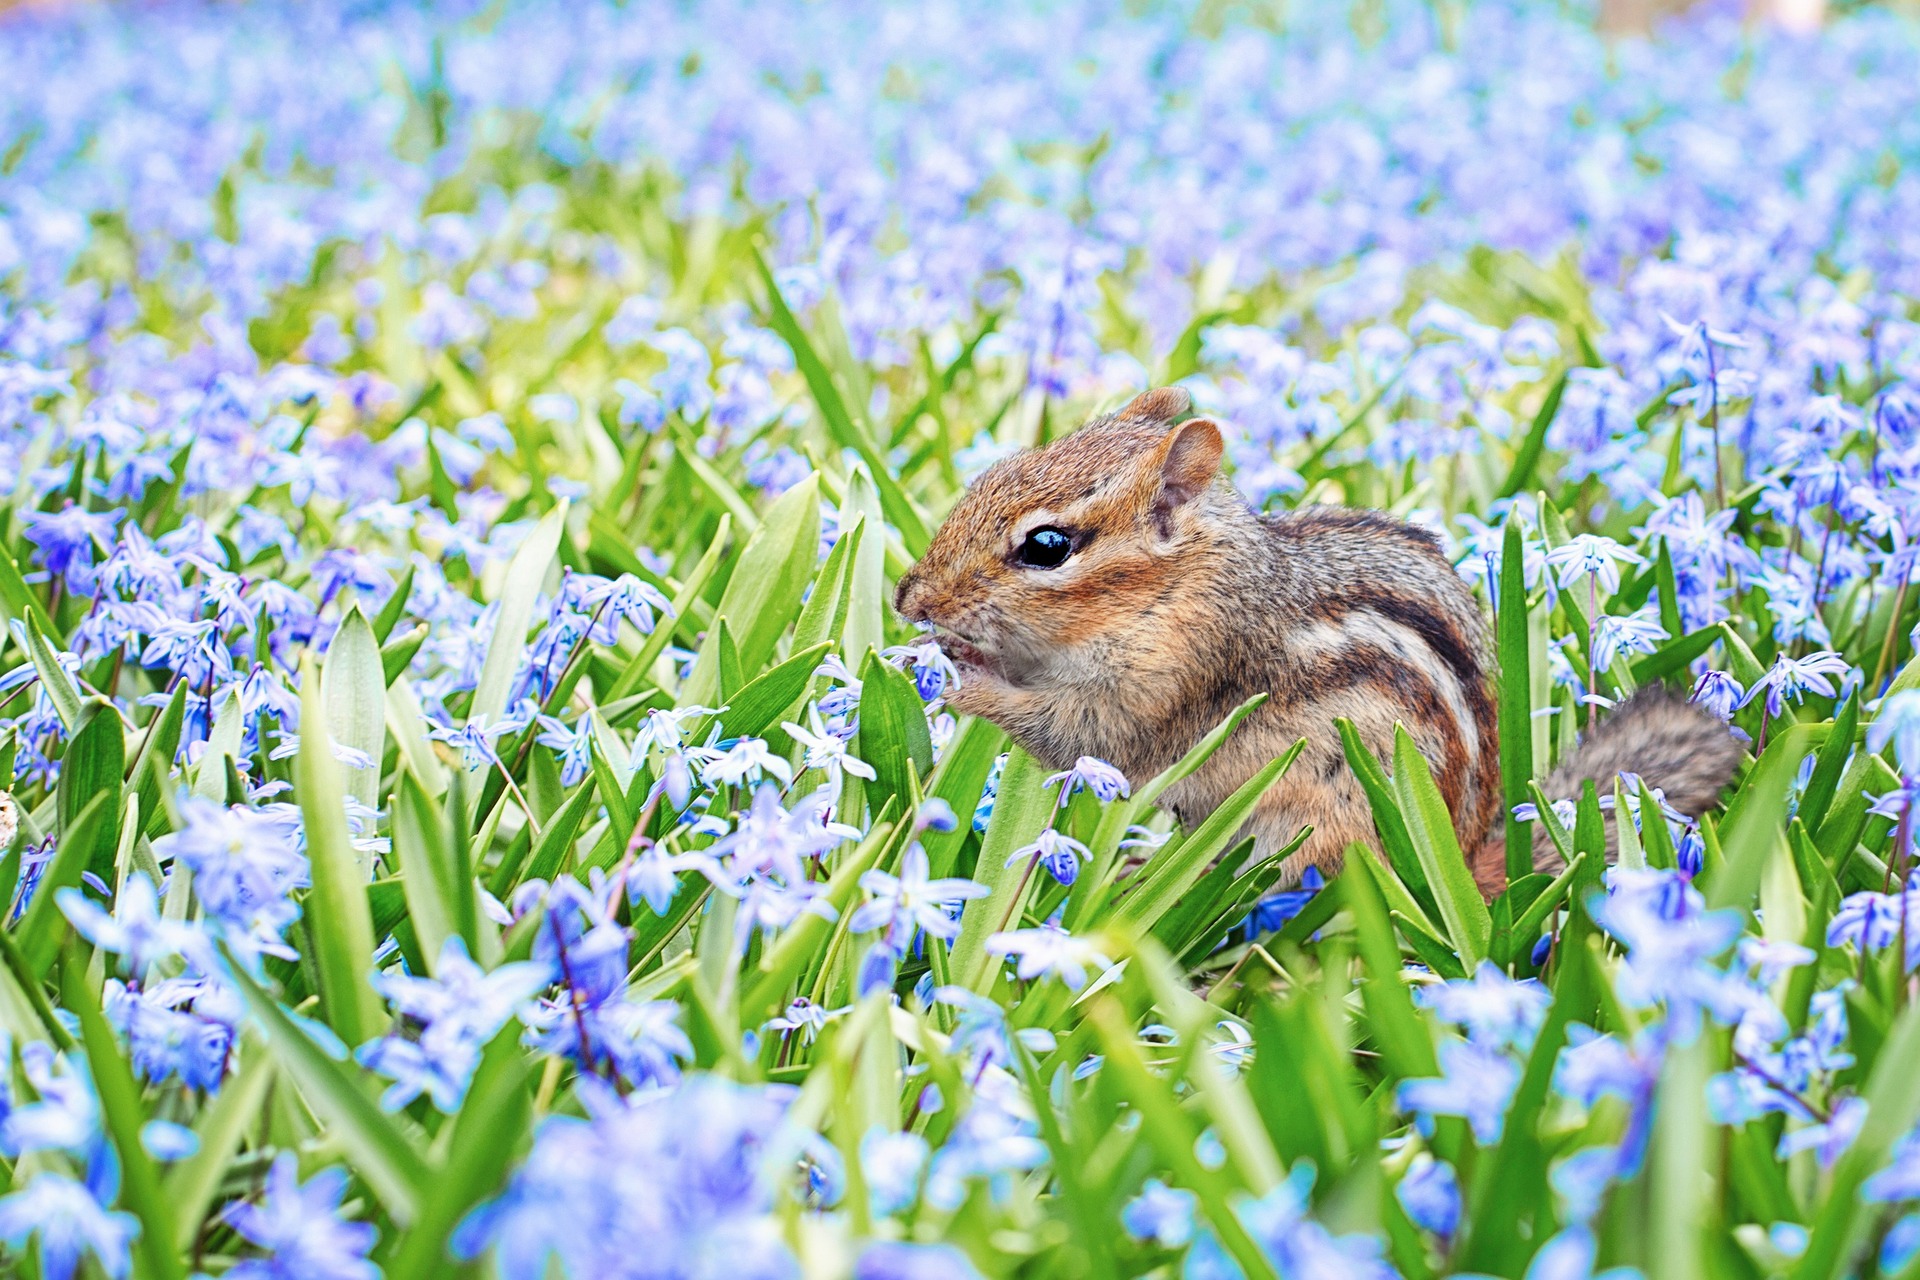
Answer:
(1112, 595)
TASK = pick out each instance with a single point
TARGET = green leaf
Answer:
(1535, 443)
(1404, 1042)
(395, 608)
(1831, 763)
(763, 594)
(1388, 821)
(1021, 808)
(124, 1118)
(1892, 1094)
(893, 735)
(153, 767)
(1090, 888)
(756, 708)
(1515, 692)
(191, 1185)
(20, 600)
(494, 1124)
(1668, 587)
(397, 655)
(379, 1150)
(60, 688)
(43, 925)
(1430, 827)
(824, 616)
(1526, 929)
(336, 911)
(95, 764)
(960, 779)
(526, 575)
(865, 624)
(1177, 868)
(1673, 657)
(425, 864)
(353, 684)
(1757, 815)
(549, 855)
(839, 423)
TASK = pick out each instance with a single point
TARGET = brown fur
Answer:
(1179, 602)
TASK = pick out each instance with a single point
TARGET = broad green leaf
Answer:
(824, 616)
(1831, 763)
(548, 857)
(526, 576)
(338, 922)
(354, 686)
(426, 866)
(1757, 815)
(864, 626)
(763, 593)
(406, 721)
(95, 765)
(60, 688)
(1388, 820)
(961, 779)
(893, 736)
(1430, 827)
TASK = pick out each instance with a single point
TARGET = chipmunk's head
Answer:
(1063, 564)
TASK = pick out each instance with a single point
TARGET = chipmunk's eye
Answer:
(1045, 548)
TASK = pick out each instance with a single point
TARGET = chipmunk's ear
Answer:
(1162, 404)
(1189, 459)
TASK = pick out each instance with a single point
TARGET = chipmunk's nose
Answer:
(910, 597)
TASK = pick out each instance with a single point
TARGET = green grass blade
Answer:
(124, 1117)
(526, 576)
(1430, 827)
(353, 683)
(338, 921)
(1515, 705)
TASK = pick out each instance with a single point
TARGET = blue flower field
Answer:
(471, 808)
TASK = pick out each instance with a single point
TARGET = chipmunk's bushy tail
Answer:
(1676, 747)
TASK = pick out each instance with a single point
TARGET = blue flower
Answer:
(1475, 1082)
(70, 1224)
(1161, 1214)
(1496, 1011)
(904, 1260)
(65, 541)
(300, 1228)
(1430, 1193)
